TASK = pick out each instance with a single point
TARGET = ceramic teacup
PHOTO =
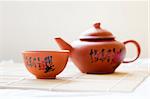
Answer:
(45, 64)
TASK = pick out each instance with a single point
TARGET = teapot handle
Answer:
(138, 50)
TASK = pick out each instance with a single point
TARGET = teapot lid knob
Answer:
(97, 25)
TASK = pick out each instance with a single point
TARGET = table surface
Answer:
(141, 91)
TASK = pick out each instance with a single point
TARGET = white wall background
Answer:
(33, 25)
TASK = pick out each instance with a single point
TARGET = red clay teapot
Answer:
(97, 51)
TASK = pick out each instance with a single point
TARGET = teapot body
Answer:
(97, 51)
(97, 56)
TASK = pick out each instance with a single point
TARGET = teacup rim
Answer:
(46, 51)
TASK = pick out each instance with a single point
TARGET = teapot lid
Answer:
(96, 32)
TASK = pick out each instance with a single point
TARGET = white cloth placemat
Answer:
(126, 78)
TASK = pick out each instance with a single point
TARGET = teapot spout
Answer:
(63, 44)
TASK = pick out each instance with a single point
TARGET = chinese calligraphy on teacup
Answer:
(45, 63)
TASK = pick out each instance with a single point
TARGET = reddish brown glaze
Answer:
(97, 51)
(45, 64)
